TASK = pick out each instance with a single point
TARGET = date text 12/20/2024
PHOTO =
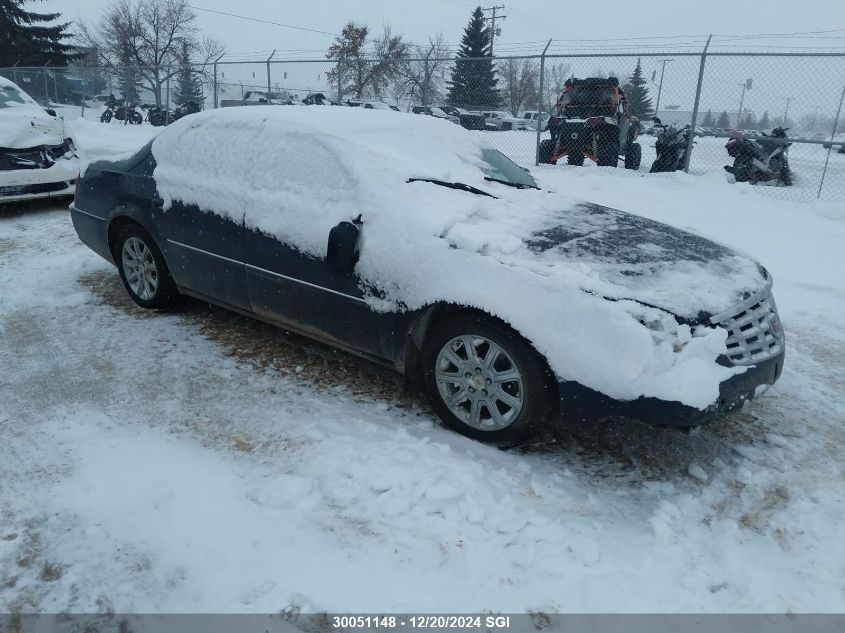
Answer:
(421, 621)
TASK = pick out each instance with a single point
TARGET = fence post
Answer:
(215, 78)
(167, 98)
(691, 138)
(46, 91)
(540, 104)
(340, 79)
(426, 77)
(832, 135)
(268, 75)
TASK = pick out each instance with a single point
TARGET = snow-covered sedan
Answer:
(507, 302)
(37, 156)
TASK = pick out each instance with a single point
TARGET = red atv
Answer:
(592, 120)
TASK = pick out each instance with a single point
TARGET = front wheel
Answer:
(484, 380)
(106, 116)
(547, 149)
(142, 269)
(135, 118)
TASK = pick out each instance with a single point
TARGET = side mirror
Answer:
(342, 251)
(51, 112)
(656, 120)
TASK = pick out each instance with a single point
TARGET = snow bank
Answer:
(296, 172)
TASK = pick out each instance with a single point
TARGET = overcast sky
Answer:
(530, 23)
(527, 20)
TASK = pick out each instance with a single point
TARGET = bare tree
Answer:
(556, 76)
(518, 80)
(421, 76)
(366, 68)
(149, 35)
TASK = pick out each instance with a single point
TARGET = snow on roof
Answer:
(295, 172)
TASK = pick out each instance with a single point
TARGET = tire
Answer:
(135, 118)
(634, 156)
(607, 148)
(742, 169)
(547, 148)
(664, 163)
(106, 116)
(142, 269)
(526, 401)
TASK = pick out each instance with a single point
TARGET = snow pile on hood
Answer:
(296, 172)
(24, 123)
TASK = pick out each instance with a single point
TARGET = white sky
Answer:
(529, 23)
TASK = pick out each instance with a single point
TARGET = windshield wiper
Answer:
(518, 185)
(453, 185)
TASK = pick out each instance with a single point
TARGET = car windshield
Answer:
(12, 95)
(499, 168)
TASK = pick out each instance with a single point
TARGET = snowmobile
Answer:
(671, 146)
(592, 121)
(760, 160)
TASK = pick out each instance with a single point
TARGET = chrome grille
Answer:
(754, 329)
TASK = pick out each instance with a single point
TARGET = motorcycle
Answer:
(760, 160)
(156, 116)
(671, 147)
(118, 109)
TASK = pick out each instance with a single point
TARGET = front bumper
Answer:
(579, 403)
(26, 184)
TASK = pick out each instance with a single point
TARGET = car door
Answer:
(305, 294)
(205, 253)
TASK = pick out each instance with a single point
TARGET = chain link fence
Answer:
(534, 107)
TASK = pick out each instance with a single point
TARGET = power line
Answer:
(245, 17)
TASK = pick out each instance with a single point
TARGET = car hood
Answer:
(27, 125)
(625, 256)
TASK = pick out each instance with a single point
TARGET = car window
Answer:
(12, 95)
(497, 166)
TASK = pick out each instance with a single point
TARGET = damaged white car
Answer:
(37, 154)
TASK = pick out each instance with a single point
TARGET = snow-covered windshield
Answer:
(499, 168)
(11, 95)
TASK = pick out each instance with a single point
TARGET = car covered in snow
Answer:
(37, 156)
(508, 303)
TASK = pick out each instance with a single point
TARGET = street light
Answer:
(746, 85)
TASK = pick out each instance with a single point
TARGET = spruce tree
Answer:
(188, 87)
(474, 83)
(709, 120)
(27, 38)
(636, 90)
(764, 123)
(723, 122)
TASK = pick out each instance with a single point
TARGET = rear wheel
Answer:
(142, 269)
(634, 156)
(484, 380)
(547, 149)
(607, 148)
(664, 162)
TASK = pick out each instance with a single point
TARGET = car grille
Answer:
(754, 329)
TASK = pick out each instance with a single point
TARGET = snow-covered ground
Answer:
(708, 158)
(202, 462)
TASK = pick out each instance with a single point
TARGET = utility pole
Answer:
(746, 85)
(493, 32)
(785, 111)
(660, 85)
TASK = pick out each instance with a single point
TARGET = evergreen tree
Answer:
(765, 123)
(636, 90)
(27, 38)
(749, 121)
(709, 120)
(127, 78)
(724, 121)
(188, 87)
(474, 83)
